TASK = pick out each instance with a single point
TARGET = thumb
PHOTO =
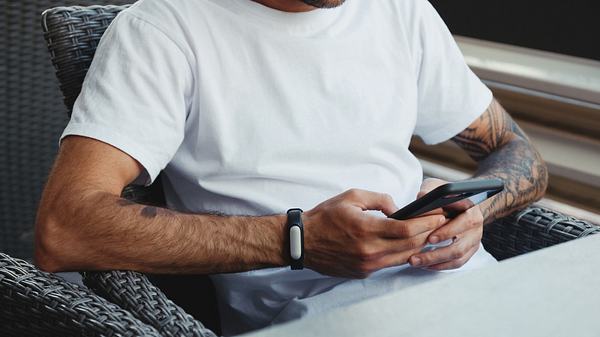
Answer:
(373, 201)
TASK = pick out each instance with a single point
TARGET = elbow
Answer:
(53, 248)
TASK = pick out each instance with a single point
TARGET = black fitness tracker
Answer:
(295, 230)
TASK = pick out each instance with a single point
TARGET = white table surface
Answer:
(551, 292)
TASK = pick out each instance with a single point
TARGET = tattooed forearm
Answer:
(503, 151)
(148, 212)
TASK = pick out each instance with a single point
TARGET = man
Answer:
(252, 108)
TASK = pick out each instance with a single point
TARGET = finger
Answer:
(395, 259)
(430, 184)
(399, 229)
(456, 263)
(460, 206)
(469, 219)
(452, 252)
(437, 211)
(368, 200)
(393, 246)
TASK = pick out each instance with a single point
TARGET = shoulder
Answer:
(172, 19)
(169, 11)
(163, 14)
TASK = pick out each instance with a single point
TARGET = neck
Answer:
(293, 6)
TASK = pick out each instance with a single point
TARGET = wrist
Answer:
(281, 257)
(295, 238)
(485, 209)
(306, 220)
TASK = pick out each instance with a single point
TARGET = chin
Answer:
(324, 3)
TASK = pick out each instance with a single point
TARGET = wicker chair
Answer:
(126, 303)
(35, 303)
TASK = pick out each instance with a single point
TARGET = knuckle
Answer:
(453, 265)
(434, 223)
(364, 253)
(407, 231)
(360, 229)
(412, 244)
(456, 255)
(478, 215)
(480, 220)
(363, 276)
(425, 260)
(470, 222)
(387, 198)
(404, 230)
(475, 219)
(353, 193)
(458, 263)
(364, 270)
(416, 243)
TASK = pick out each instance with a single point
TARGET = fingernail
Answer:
(415, 261)
(434, 239)
(442, 219)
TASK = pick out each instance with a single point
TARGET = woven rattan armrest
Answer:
(35, 303)
(531, 229)
(134, 292)
(117, 303)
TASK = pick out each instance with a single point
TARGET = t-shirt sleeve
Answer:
(450, 96)
(135, 95)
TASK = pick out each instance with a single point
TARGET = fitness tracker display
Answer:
(295, 230)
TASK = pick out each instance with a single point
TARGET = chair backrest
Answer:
(31, 118)
(72, 34)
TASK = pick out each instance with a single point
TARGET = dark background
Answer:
(569, 27)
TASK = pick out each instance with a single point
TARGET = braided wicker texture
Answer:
(532, 229)
(32, 117)
(133, 292)
(35, 303)
(73, 33)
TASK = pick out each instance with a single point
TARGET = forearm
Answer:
(524, 174)
(502, 150)
(102, 231)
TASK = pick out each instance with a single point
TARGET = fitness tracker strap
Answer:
(295, 230)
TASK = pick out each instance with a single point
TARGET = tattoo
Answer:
(148, 212)
(503, 151)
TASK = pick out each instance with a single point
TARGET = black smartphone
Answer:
(454, 198)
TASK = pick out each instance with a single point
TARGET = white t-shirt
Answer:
(252, 111)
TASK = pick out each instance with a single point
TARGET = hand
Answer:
(465, 231)
(340, 239)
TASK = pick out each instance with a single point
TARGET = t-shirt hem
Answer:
(119, 141)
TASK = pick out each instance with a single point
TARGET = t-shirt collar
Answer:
(300, 22)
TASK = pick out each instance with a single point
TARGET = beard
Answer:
(324, 3)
